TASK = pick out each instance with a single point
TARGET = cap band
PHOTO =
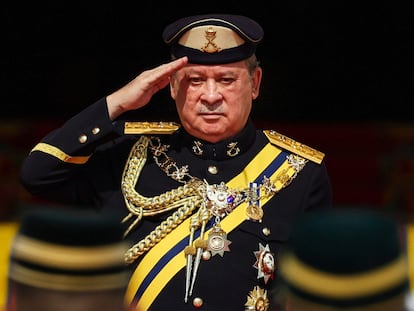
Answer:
(330, 285)
(68, 282)
(65, 257)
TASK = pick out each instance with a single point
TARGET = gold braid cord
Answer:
(184, 199)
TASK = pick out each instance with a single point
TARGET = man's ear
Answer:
(173, 88)
(256, 81)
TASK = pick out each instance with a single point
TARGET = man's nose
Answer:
(211, 92)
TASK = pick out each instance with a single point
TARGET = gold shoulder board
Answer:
(150, 127)
(294, 146)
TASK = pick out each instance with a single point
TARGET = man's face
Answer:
(214, 101)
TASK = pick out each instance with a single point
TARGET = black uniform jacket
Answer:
(223, 282)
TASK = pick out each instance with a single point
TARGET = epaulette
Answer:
(294, 146)
(150, 127)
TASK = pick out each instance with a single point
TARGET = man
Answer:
(209, 201)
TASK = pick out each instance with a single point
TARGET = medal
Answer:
(265, 263)
(254, 212)
(257, 300)
(217, 242)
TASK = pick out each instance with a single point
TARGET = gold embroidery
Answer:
(197, 148)
(57, 153)
(233, 149)
(294, 146)
(150, 127)
(210, 46)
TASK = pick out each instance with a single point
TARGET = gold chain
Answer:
(184, 198)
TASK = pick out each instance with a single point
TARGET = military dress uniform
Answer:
(206, 222)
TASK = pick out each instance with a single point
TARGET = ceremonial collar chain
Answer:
(219, 199)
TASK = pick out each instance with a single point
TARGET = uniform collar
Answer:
(223, 150)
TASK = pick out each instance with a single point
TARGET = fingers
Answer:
(159, 76)
(138, 92)
(175, 65)
(172, 66)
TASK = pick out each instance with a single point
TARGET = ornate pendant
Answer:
(220, 200)
(265, 263)
(217, 242)
(257, 300)
(254, 212)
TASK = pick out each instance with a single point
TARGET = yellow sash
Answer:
(167, 257)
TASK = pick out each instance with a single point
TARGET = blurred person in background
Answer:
(61, 260)
(346, 259)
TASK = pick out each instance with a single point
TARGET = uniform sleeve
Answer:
(320, 195)
(56, 166)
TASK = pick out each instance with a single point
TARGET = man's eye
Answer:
(227, 80)
(195, 80)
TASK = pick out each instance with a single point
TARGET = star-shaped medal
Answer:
(217, 241)
(265, 263)
(257, 299)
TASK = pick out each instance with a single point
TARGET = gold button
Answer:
(96, 130)
(212, 169)
(197, 302)
(83, 138)
(266, 231)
